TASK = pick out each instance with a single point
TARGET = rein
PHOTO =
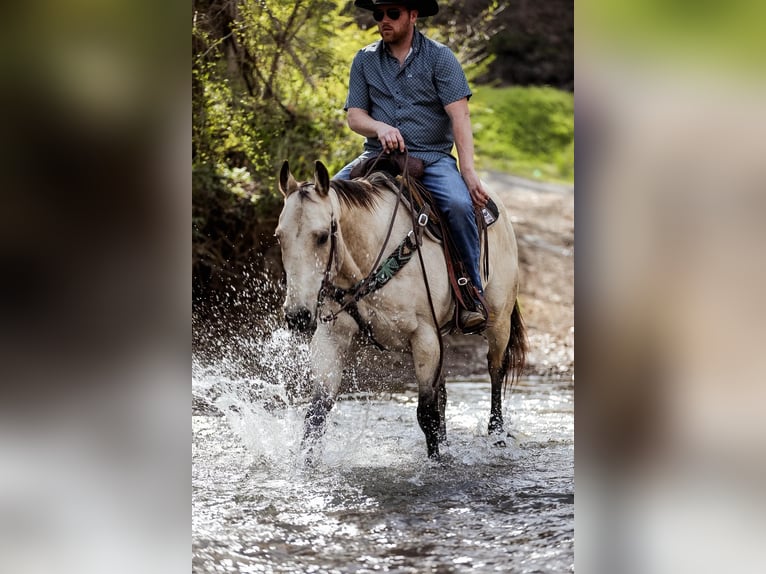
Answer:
(348, 297)
(381, 273)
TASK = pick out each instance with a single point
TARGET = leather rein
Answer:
(380, 274)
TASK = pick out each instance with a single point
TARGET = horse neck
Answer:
(364, 231)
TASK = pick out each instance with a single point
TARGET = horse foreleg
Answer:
(327, 356)
(425, 354)
(316, 416)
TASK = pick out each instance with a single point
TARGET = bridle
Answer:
(380, 274)
(327, 285)
(348, 297)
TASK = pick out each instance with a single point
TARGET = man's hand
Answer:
(478, 195)
(390, 138)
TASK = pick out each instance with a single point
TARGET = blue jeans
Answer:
(454, 203)
(345, 173)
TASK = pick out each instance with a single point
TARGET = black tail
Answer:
(515, 357)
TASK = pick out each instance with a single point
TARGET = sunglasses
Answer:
(392, 13)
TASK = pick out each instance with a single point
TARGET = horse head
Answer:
(308, 235)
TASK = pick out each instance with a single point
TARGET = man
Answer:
(409, 92)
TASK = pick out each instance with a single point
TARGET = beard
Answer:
(392, 35)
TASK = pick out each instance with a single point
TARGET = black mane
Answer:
(360, 192)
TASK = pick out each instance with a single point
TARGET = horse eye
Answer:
(322, 238)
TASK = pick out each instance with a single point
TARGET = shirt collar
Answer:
(417, 41)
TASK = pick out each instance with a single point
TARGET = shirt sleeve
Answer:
(358, 92)
(449, 78)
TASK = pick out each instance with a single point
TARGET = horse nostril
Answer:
(299, 320)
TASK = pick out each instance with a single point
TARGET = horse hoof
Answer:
(495, 428)
(310, 453)
(310, 461)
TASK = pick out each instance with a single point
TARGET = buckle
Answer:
(423, 219)
(462, 281)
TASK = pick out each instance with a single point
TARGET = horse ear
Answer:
(287, 183)
(321, 179)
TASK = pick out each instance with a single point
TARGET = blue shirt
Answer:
(411, 97)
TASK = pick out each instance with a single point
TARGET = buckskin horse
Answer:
(332, 235)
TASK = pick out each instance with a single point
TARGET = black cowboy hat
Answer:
(424, 7)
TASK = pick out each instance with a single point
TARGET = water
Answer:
(374, 503)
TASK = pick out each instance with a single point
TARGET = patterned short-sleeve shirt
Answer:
(410, 97)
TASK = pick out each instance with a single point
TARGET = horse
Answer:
(330, 232)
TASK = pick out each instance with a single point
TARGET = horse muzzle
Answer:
(300, 320)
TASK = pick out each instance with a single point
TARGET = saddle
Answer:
(393, 164)
(403, 168)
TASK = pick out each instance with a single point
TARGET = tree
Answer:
(268, 84)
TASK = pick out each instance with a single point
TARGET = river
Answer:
(374, 502)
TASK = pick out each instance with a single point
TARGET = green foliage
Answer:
(529, 131)
(269, 81)
(467, 27)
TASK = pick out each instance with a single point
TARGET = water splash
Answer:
(260, 384)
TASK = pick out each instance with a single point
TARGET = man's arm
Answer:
(388, 136)
(461, 130)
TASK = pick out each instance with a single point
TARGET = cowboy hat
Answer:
(424, 7)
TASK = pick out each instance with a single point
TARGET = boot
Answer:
(472, 321)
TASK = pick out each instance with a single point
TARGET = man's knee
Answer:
(344, 173)
(452, 199)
